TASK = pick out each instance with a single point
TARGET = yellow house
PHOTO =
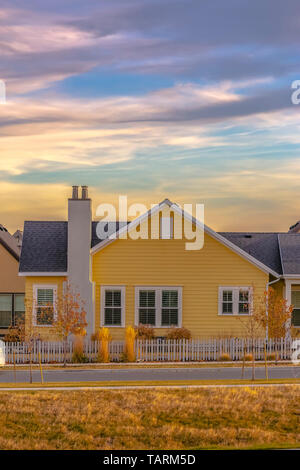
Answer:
(12, 287)
(165, 269)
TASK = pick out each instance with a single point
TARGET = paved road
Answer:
(88, 375)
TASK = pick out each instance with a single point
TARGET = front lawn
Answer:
(151, 419)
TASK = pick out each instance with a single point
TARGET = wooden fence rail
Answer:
(153, 350)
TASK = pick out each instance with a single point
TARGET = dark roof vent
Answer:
(248, 236)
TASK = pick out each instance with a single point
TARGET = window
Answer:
(44, 298)
(296, 310)
(227, 302)
(147, 308)
(5, 310)
(166, 227)
(234, 300)
(243, 302)
(158, 306)
(11, 309)
(112, 305)
(19, 307)
(169, 313)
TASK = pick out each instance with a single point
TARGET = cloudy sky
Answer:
(185, 99)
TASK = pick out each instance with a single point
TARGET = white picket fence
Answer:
(211, 350)
(153, 350)
(52, 352)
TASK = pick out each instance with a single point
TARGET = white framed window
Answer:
(235, 301)
(112, 306)
(160, 307)
(166, 228)
(295, 297)
(44, 298)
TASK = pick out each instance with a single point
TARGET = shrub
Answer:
(179, 333)
(130, 335)
(78, 355)
(95, 336)
(79, 358)
(248, 357)
(225, 357)
(104, 338)
(145, 332)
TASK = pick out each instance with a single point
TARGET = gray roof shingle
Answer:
(289, 244)
(262, 246)
(44, 247)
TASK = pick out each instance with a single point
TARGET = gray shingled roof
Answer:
(289, 244)
(44, 247)
(262, 246)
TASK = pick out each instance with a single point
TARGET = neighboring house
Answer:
(12, 287)
(155, 281)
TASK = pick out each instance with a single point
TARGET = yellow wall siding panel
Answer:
(10, 282)
(166, 262)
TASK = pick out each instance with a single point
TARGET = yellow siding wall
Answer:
(44, 331)
(166, 263)
(10, 282)
(9, 279)
(278, 287)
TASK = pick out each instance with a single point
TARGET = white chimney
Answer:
(79, 244)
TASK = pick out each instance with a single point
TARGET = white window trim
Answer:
(44, 286)
(158, 307)
(102, 306)
(235, 298)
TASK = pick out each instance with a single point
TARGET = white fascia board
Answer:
(44, 274)
(291, 276)
(198, 224)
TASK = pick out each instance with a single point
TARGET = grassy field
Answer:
(151, 419)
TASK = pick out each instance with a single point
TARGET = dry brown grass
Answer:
(151, 419)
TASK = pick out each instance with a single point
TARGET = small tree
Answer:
(274, 315)
(271, 316)
(70, 316)
(252, 332)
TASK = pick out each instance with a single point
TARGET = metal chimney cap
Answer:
(74, 192)
(84, 192)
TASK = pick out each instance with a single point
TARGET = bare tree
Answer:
(274, 315)
(70, 316)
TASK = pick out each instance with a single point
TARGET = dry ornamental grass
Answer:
(149, 419)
